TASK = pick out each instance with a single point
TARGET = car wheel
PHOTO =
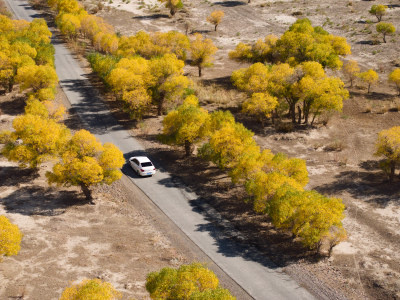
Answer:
(137, 172)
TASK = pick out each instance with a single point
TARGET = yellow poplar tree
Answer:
(36, 77)
(351, 69)
(370, 77)
(10, 238)
(215, 18)
(87, 162)
(202, 51)
(388, 146)
(193, 281)
(186, 125)
(385, 29)
(41, 139)
(395, 78)
(378, 11)
(260, 105)
(169, 83)
(173, 5)
(91, 289)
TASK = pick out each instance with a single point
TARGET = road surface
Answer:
(256, 274)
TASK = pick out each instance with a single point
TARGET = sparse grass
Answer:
(213, 94)
(336, 145)
(382, 110)
(368, 108)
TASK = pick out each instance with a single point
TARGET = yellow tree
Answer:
(260, 105)
(370, 77)
(388, 146)
(395, 78)
(69, 25)
(41, 139)
(173, 5)
(228, 144)
(215, 18)
(186, 125)
(169, 84)
(254, 79)
(385, 29)
(180, 284)
(91, 289)
(261, 51)
(202, 51)
(87, 162)
(351, 69)
(36, 77)
(10, 238)
(378, 11)
(171, 41)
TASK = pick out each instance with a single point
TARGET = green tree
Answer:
(215, 18)
(385, 29)
(351, 69)
(193, 281)
(91, 289)
(186, 125)
(370, 77)
(378, 11)
(388, 146)
(202, 51)
(10, 238)
(395, 78)
(87, 162)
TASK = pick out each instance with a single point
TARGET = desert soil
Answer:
(366, 266)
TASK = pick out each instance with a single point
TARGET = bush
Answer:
(10, 238)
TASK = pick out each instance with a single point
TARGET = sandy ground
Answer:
(366, 266)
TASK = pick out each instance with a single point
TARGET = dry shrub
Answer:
(213, 94)
(368, 108)
(336, 145)
(284, 127)
(382, 110)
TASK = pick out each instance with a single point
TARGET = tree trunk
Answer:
(384, 38)
(188, 148)
(172, 11)
(87, 192)
(293, 112)
(392, 170)
(299, 118)
(351, 81)
(215, 28)
(248, 1)
(160, 105)
(313, 119)
(369, 87)
(199, 71)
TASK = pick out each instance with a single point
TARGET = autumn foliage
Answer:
(194, 281)
(91, 289)
(301, 43)
(388, 146)
(10, 238)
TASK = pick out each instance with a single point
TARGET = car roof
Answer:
(141, 159)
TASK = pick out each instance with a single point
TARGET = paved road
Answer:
(254, 273)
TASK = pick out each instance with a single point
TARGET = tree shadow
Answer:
(204, 31)
(151, 17)
(35, 200)
(369, 42)
(258, 239)
(368, 183)
(14, 106)
(9, 176)
(230, 3)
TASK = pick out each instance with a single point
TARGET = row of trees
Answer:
(188, 282)
(300, 43)
(275, 183)
(27, 57)
(79, 158)
(274, 89)
(370, 77)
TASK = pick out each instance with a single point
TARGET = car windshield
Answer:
(146, 164)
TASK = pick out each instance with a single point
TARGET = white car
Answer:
(142, 165)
